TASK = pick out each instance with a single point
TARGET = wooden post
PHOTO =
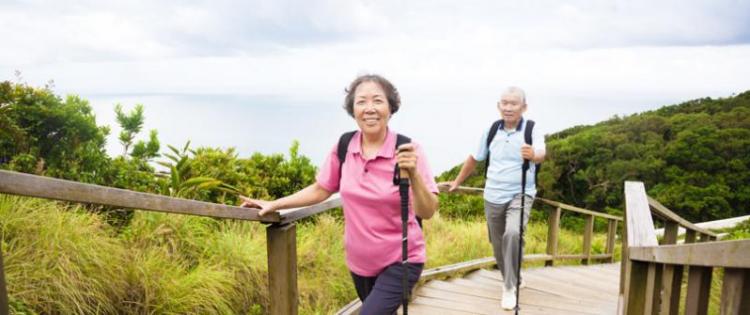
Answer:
(587, 235)
(653, 286)
(3, 292)
(282, 269)
(635, 296)
(553, 232)
(735, 292)
(611, 235)
(689, 236)
(699, 287)
(672, 275)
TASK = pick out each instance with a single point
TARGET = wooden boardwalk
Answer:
(589, 289)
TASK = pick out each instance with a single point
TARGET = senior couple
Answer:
(371, 202)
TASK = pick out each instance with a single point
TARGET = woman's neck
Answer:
(371, 143)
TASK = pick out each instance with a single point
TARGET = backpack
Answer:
(526, 136)
(343, 147)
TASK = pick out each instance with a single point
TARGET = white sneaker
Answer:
(509, 299)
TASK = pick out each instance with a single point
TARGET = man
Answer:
(502, 192)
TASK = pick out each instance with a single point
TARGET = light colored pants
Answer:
(503, 227)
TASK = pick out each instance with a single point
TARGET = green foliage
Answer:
(60, 260)
(58, 137)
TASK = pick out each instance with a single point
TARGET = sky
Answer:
(255, 75)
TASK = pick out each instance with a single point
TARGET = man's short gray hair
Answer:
(516, 91)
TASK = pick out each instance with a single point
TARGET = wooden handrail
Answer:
(58, 189)
(727, 254)
(665, 214)
(578, 210)
(443, 187)
(295, 214)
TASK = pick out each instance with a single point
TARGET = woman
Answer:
(371, 202)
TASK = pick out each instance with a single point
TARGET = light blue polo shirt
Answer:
(504, 173)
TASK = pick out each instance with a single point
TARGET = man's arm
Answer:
(469, 165)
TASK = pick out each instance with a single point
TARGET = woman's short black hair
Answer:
(391, 93)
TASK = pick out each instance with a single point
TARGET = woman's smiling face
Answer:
(371, 108)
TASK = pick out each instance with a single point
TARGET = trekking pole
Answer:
(520, 238)
(403, 189)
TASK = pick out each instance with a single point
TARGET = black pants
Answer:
(382, 294)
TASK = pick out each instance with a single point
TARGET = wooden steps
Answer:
(561, 290)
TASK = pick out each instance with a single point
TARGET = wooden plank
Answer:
(611, 236)
(668, 215)
(651, 290)
(52, 188)
(582, 256)
(735, 292)
(635, 298)
(443, 187)
(553, 232)
(419, 308)
(570, 285)
(699, 287)
(671, 289)
(457, 269)
(689, 236)
(282, 269)
(728, 254)
(294, 214)
(638, 216)
(578, 210)
(3, 291)
(468, 266)
(588, 233)
(670, 233)
(351, 309)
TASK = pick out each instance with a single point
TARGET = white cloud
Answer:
(580, 61)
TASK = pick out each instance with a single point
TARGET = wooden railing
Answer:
(281, 232)
(553, 231)
(651, 278)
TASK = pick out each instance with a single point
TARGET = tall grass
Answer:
(62, 260)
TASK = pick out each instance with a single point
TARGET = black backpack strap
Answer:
(493, 131)
(342, 149)
(527, 137)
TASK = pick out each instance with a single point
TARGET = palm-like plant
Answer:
(181, 182)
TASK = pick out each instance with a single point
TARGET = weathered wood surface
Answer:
(3, 292)
(579, 210)
(556, 290)
(291, 215)
(52, 188)
(282, 269)
(729, 254)
(638, 222)
(553, 233)
(666, 214)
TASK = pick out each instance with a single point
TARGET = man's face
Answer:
(511, 107)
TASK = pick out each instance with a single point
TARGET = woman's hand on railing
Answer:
(264, 205)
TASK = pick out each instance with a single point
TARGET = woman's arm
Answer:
(310, 195)
(425, 202)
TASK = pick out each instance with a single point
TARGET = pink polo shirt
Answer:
(372, 209)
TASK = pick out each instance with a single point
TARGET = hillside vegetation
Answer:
(693, 157)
